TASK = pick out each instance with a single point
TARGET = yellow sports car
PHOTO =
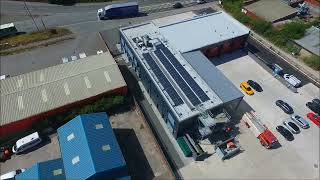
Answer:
(246, 88)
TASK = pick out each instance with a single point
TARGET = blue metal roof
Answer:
(89, 146)
(202, 31)
(220, 84)
(47, 170)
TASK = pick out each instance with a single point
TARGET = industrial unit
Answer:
(90, 150)
(49, 170)
(34, 96)
(172, 64)
(270, 10)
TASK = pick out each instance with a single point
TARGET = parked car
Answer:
(314, 118)
(295, 82)
(317, 101)
(313, 107)
(284, 106)
(255, 85)
(5, 154)
(12, 174)
(26, 143)
(285, 133)
(300, 121)
(177, 5)
(246, 88)
(291, 127)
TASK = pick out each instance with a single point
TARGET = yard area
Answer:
(281, 35)
(144, 157)
(298, 159)
(24, 39)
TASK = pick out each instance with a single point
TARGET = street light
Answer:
(29, 13)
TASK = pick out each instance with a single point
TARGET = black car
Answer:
(313, 107)
(255, 85)
(284, 106)
(177, 5)
(317, 101)
(285, 133)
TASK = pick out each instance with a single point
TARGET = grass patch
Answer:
(280, 36)
(313, 61)
(27, 38)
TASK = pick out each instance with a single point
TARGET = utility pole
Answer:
(29, 13)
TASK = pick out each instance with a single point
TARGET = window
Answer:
(70, 137)
(99, 126)
(106, 147)
(57, 172)
(75, 160)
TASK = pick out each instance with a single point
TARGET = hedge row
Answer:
(101, 105)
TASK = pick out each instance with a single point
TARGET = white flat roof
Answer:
(201, 31)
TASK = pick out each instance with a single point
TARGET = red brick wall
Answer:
(250, 14)
(26, 123)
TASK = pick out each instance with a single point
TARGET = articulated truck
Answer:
(120, 10)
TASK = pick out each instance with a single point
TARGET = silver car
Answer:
(292, 127)
(300, 121)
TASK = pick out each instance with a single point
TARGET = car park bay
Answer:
(306, 143)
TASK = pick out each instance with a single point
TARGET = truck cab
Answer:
(295, 82)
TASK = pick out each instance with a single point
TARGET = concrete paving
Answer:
(298, 159)
(47, 151)
(140, 148)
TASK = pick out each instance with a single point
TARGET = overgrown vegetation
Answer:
(27, 38)
(313, 61)
(281, 36)
(103, 104)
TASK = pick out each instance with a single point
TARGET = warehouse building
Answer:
(310, 43)
(90, 150)
(172, 63)
(48, 170)
(270, 10)
(34, 96)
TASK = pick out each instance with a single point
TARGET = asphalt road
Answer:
(86, 41)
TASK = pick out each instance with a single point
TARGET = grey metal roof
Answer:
(271, 10)
(202, 31)
(40, 91)
(220, 84)
(311, 40)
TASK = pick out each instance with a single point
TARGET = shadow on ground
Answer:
(137, 163)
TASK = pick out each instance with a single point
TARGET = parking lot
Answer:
(298, 159)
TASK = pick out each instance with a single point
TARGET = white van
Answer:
(292, 80)
(12, 174)
(26, 143)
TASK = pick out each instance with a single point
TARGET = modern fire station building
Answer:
(172, 63)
